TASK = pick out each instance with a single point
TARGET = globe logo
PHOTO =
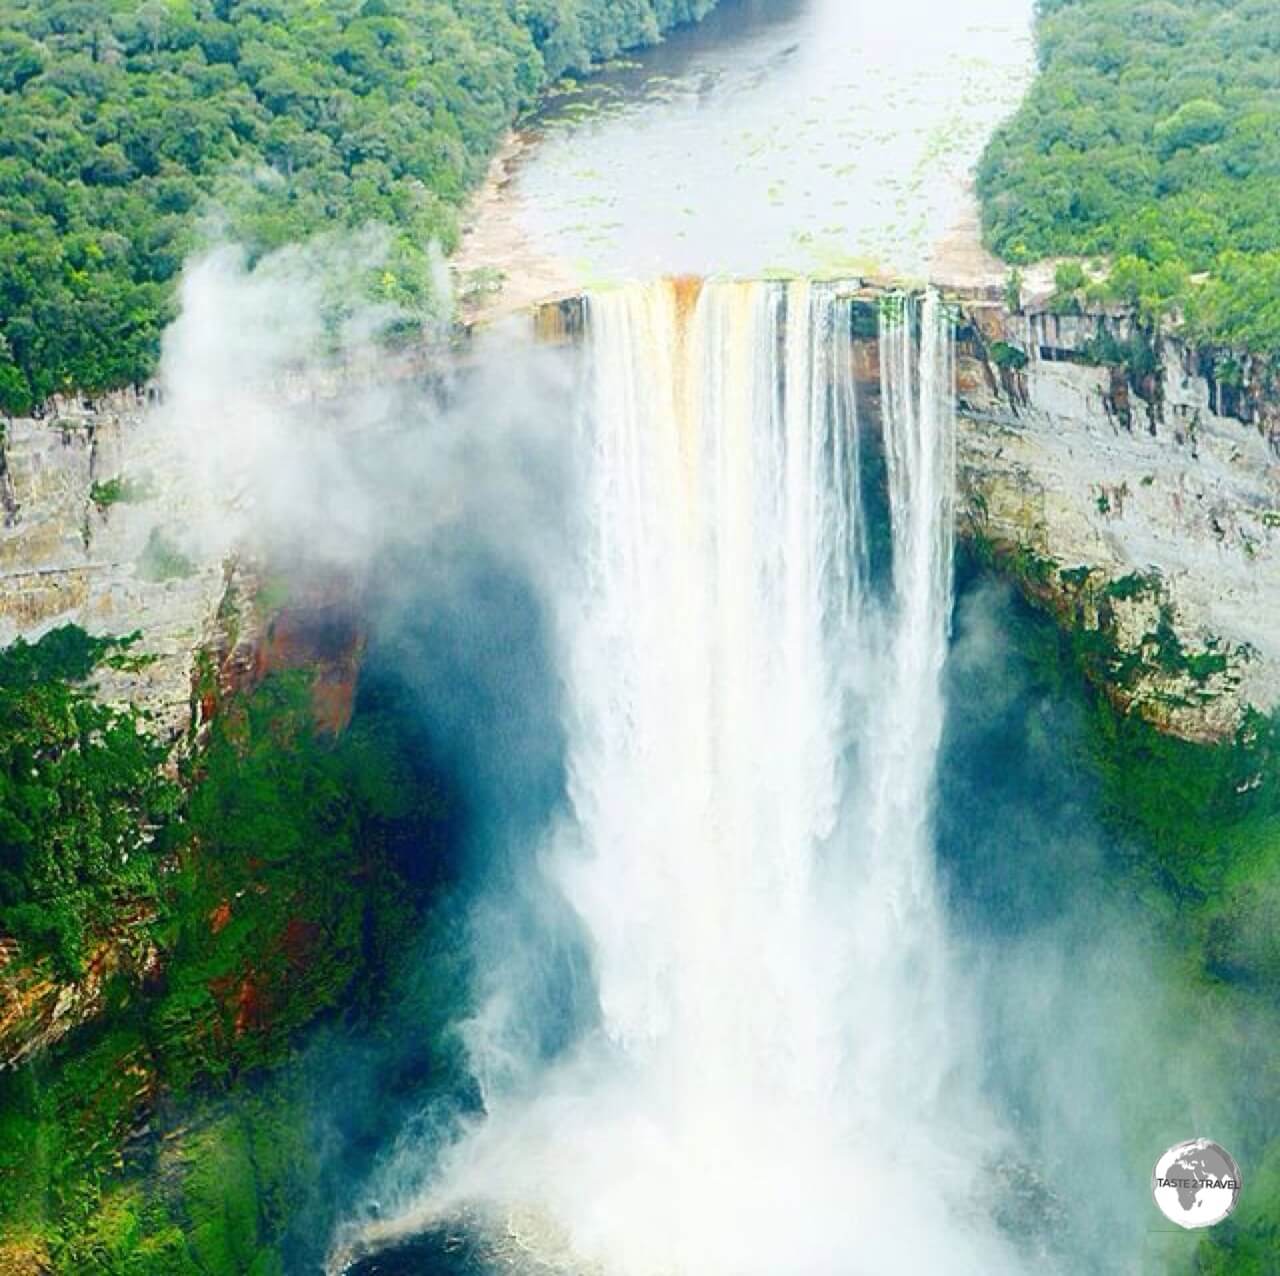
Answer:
(1196, 1183)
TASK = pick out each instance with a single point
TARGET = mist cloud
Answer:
(312, 444)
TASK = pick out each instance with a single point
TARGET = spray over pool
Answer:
(777, 1076)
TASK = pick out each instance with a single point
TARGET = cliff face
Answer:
(105, 523)
(95, 531)
(37, 1009)
(1136, 498)
(1122, 486)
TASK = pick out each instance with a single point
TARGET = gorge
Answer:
(744, 773)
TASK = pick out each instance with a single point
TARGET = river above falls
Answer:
(801, 136)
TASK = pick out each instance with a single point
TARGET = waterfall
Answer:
(777, 1080)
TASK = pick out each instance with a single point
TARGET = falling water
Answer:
(778, 1079)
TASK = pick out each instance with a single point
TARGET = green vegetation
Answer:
(162, 560)
(123, 121)
(1013, 285)
(119, 491)
(1151, 138)
(84, 813)
(212, 1201)
(1069, 281)
(1195, 817)
(265, 927)
(271, 885)
(1194, 836)
(1007, 356)
(1134, 585)
(1201, 824)
(1086, 610)
(1136, 352)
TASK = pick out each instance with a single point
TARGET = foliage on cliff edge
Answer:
(84, 811)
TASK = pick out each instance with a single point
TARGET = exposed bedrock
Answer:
(1137, 498)
(1120, 484)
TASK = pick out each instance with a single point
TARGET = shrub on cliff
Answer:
(83, 808)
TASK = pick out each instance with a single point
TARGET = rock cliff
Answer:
(104, 523)
(94, 531)
(1109, 472)
(1136, 497)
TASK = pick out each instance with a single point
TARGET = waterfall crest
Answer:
(777, 1081)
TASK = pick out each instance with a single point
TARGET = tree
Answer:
(383, 111)
(1150, 138)
(21, 59)
(1194, 123)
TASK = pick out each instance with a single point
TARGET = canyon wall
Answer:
(95, 531)
(1109, 474)
(1134, 496)
(105, 516)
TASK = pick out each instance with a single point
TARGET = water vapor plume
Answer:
(749, 996)
(310, 441)
(775, 1025)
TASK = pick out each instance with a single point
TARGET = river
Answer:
(801, 136)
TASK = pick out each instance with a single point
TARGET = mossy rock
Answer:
(220, 1198)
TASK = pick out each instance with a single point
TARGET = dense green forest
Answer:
(288, 874)
(130, 128)
(1150, 139)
